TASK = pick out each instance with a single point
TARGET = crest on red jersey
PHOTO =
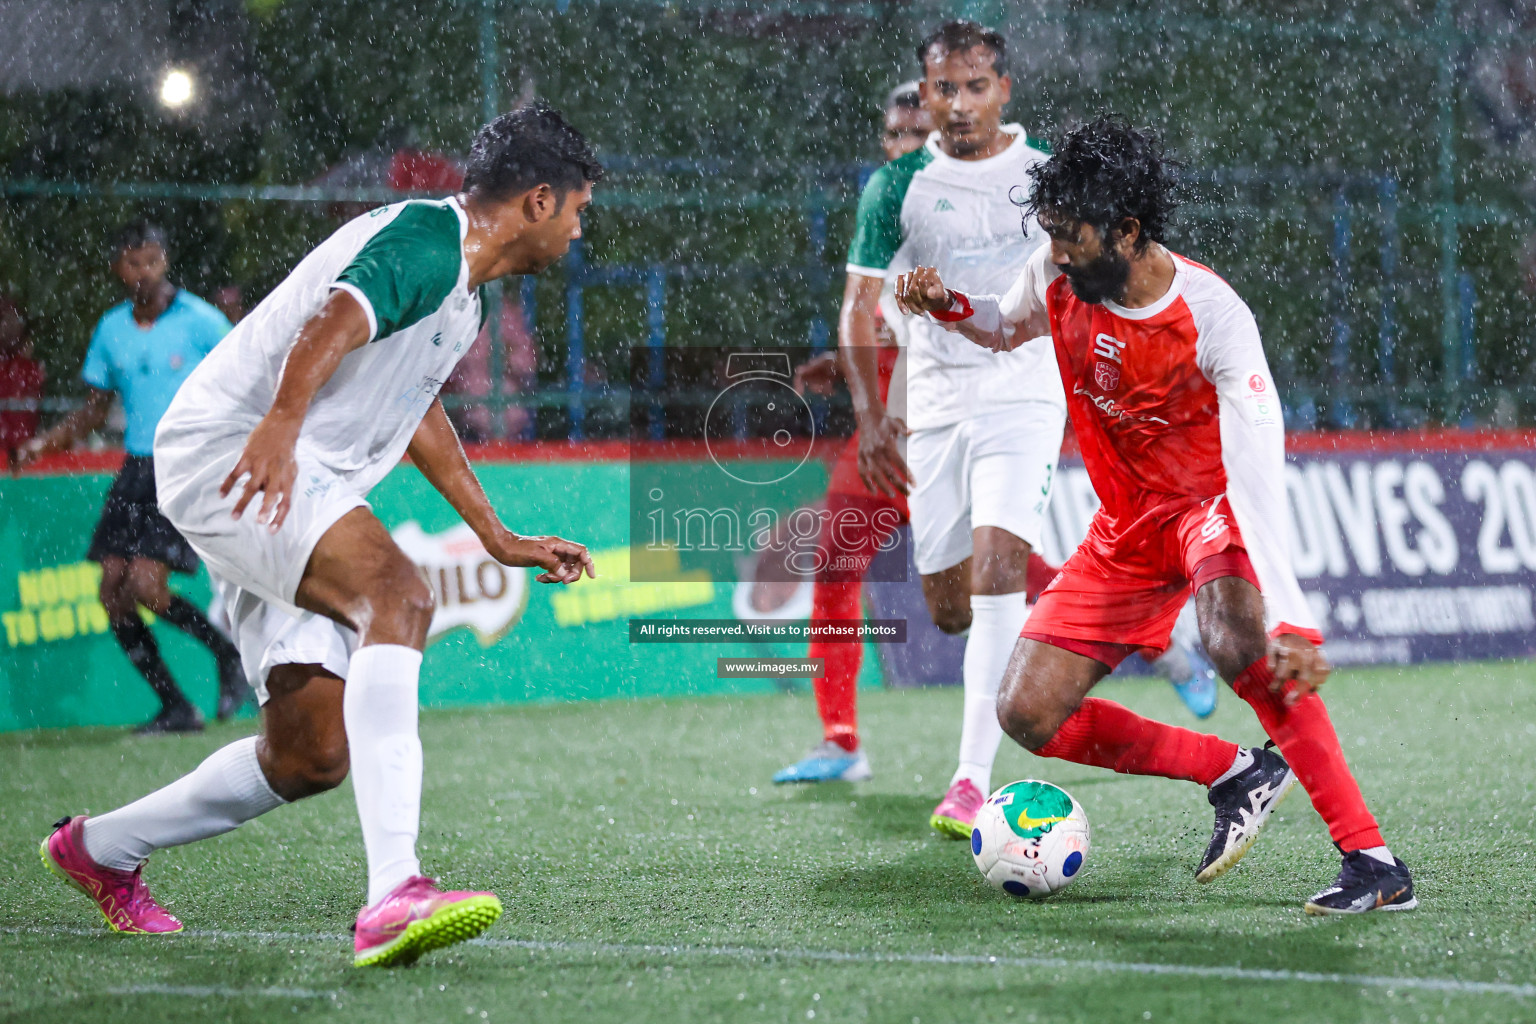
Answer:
(1106, 375)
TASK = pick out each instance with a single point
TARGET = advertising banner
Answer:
(497, 636)
(1410, 549)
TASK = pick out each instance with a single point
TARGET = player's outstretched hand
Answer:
(1300, 667)
(881, 466)
(818, 374)
(269, 469)
(563, 561)
(921, 291)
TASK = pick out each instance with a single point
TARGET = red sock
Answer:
(1107, 735)
(837, 691)
(1038, 574)
(1306, 738)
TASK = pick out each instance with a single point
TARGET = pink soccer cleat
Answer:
(955, 814)
(121, 896)
(417, 918)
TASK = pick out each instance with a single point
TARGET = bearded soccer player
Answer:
(1173, 403)
(982, 433)
(309, 403)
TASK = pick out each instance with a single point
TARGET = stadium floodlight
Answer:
(177, 87)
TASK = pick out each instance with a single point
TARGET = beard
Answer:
(1102, 279)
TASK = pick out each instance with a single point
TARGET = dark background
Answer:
(738, 133)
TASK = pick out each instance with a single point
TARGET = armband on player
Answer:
(959, 309)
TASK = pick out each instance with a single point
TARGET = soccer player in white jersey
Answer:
(982, 432)
(307, 404)
(1174, 406)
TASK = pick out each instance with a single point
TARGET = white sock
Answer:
(1240, 763)
(379, 706)
(995, 623)
(219, 795)
(1381, 853)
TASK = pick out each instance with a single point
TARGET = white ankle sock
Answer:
(1240, 763)
(1381, 853)
(379, 706)
(219, 795)
(995, 623)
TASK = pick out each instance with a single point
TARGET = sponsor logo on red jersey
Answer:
(1108, 347)
(1106, 375)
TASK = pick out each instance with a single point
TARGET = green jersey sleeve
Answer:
(877, 234)
(406, 270)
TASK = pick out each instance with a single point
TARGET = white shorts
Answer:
(254, 571)
(243, 552)
(994, 469)
(267, 636)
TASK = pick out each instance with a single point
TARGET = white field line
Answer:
(220, 992)
(1396, 983)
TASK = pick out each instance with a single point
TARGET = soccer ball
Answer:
(1030, 839)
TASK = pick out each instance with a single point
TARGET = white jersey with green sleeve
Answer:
(956, 215)
(405, 266)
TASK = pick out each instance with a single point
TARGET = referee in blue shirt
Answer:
(143, 349)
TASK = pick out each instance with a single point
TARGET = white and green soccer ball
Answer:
(1030, 839)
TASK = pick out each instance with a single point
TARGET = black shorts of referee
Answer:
(132, 526)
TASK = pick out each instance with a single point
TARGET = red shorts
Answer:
(1125, 585)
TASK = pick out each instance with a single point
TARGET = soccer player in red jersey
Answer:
(865, 520)
(1180, 427)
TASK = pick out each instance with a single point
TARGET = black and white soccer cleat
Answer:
(1365, 884)
(1243, 805)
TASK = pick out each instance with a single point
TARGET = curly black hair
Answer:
(1102, 172)
(533, 145)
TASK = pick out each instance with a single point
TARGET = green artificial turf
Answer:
(651, 873)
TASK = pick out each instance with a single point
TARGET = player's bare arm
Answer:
(78, 424)
(436, 451)
(881, 466)
(267, 462)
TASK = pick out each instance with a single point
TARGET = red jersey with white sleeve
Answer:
(1177, 417)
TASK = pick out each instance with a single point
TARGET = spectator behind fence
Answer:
(21, 379)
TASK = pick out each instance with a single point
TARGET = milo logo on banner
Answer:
(473, 590)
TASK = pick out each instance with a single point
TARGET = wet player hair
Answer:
(1103, 171)
(136, 235)
(904, 97)
(531, 146)
(959, 36)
